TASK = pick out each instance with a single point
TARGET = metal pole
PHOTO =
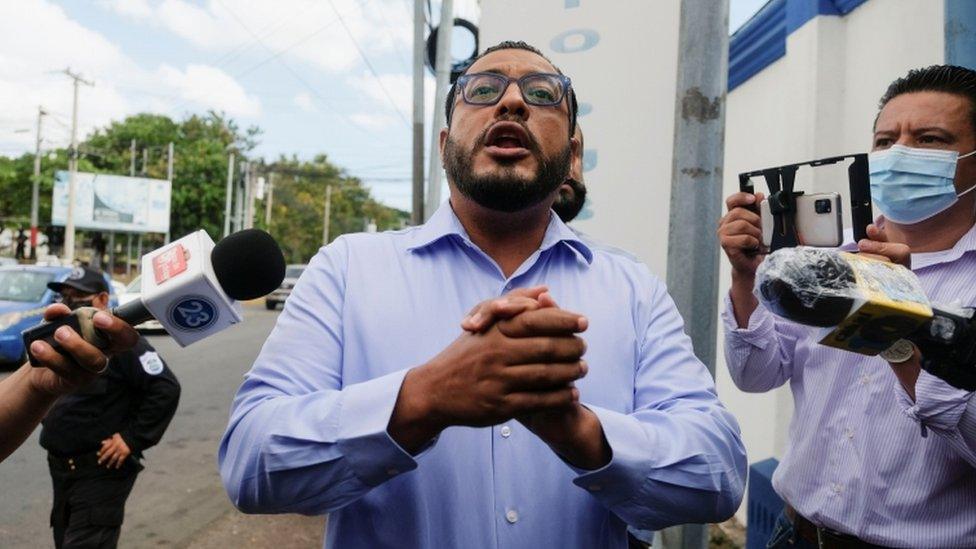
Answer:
(69, 224)
(229, 193)
(269, 201)
(132, 158)
(145, 160)
(249, 198)
(328, 215)
(417, 215)
(35, 186)
(169, 177)
(111, 253)
(128, 256)
(443, 66)
(696, 190)
(139, 256)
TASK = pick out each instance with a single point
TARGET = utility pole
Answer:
(269, 201)
(443, 65)
(328, 214)
(249, 198)
(145, 161)
(228, 195)
(239, 198)
(69, 224)
(417, 214)
(36, 185)
(696, 191)
(128, 236)
(169, 177)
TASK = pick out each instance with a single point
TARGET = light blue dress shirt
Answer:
(307, 432)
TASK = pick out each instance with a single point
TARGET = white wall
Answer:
(819, 100)
(622, 58)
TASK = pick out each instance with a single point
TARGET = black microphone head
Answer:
(248, 264)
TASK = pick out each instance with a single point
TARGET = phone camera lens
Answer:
(822, 206)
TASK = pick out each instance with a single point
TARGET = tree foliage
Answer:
(202, 144)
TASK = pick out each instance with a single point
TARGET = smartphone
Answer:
(819, 221)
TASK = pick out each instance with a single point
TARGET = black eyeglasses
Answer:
(487, 88)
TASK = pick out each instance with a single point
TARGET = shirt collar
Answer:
(444, 223)
(965, 245)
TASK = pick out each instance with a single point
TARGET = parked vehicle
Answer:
(23, 297)
(134, 291)
(278, 297)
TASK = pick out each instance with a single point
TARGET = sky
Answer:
(317, 76)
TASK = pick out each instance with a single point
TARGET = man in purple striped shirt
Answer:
(878, 453)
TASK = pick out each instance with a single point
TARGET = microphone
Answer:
(866, 306)
(191, 286)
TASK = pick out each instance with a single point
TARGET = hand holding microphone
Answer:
(191, 286)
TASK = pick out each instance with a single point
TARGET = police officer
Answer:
(95, 437)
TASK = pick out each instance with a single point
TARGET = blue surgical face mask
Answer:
(911, 185)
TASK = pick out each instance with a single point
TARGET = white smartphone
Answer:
(818, 221)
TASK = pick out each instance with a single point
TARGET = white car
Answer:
(278, 297)
(134, 291)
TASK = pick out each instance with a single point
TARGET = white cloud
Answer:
(136, 9)
(204, 85)
(38, 39)
(388, 90)
(374, 121)
(304, 102)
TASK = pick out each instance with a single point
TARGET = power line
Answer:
(369, 65)
(297, 76)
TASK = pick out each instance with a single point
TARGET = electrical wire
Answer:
(369, 65)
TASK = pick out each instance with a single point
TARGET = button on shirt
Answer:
(859, 460)
(308, 426)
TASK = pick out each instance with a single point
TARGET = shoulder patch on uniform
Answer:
(151, 363)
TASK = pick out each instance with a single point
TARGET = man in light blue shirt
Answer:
(371, 403)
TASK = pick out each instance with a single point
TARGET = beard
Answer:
(504, 190)
(569, 203)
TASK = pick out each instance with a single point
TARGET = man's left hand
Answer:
(114, 452)
(575, 432)
(878, 246)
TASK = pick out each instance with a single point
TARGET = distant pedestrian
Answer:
(95, 437)
(21, 241)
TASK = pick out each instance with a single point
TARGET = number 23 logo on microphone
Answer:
(193, 313)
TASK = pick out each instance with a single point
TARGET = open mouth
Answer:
(507, 140)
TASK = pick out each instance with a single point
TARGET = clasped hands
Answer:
(518, 358)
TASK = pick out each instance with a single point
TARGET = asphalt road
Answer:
(178, 500)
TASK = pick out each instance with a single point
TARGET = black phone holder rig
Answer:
(782, 197)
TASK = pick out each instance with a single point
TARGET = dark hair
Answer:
(510, 45)
(939, 78)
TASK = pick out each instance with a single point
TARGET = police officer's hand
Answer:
(114, 452)
(60, 375)
(518, 366)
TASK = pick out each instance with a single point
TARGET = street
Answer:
(178, 500)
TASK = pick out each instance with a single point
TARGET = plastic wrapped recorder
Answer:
(865, 305)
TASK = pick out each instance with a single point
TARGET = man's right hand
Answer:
(518, 366)
(740, 234)
(59, 375)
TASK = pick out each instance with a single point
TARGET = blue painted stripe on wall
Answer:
(762, 40)
(960, 33)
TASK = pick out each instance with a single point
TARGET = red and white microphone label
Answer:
(169, 263)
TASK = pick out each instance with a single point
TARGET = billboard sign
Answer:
(113, 202)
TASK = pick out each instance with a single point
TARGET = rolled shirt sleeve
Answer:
(678, 457)
(298, 441)
(760, 356)
(941, 408)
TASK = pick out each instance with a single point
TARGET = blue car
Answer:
(23, 297)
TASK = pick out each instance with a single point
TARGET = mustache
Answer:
(532, 145)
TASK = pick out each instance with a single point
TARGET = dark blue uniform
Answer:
(135, 397)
